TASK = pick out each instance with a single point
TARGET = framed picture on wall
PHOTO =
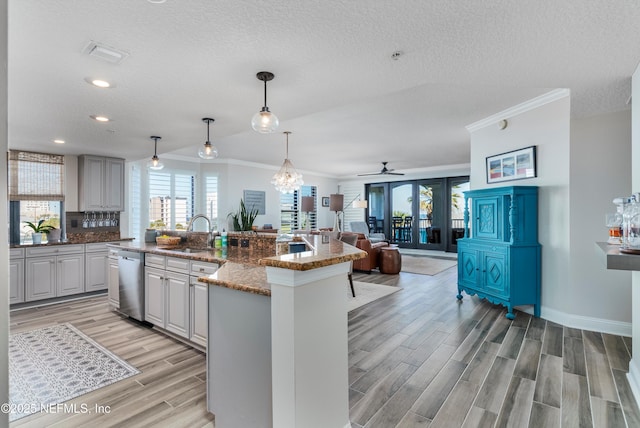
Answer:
(325, 201)
(514, 165)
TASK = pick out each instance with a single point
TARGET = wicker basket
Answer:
(167, 241)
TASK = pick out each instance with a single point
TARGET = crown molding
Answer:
(526, 106)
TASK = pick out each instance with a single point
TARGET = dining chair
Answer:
(350, 239)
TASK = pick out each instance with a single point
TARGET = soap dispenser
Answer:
(224, 238)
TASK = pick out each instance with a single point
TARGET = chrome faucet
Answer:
(194, 218)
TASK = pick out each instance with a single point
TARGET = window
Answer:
(291, 216)
(171, 200)
(36, 192)
(211, 198)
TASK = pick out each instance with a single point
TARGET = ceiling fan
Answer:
(383, 171)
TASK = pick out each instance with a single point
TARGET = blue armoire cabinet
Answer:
(499, 256)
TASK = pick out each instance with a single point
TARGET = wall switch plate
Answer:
(233, 242)
(244, 243)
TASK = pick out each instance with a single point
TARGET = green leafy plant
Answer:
(243, 218)
(40, 227)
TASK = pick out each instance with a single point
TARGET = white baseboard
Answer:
(584, 323)
(634, 378)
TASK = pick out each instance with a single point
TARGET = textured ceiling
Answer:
(348, 104)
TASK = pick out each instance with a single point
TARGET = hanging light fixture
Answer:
(208, 150)
(264, 121)
(287, 180)
(155, 162)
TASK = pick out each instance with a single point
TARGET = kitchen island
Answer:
(277, 348)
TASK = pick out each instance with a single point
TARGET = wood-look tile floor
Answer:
(417, 358)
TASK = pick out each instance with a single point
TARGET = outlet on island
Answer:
(244, 243)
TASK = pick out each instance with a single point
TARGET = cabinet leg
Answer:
(510, 314)
(536, 311)
(459, 295)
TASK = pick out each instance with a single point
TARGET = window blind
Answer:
(35, 176)
(211, 196)
(291, 216)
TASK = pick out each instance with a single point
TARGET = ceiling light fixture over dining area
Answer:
(155, 163)
(208, 150)
(264, 121)
(287, 179)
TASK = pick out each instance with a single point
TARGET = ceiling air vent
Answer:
(105, 53)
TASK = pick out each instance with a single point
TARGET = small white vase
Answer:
(36, 238)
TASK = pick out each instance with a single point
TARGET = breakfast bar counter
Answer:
(277, 339)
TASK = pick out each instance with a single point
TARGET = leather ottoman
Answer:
(390, 260)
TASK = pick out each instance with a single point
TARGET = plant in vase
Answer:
(243, 218)
(38, 230)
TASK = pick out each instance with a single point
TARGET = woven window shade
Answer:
(35, 176)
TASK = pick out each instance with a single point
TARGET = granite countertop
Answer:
(244, 269)
(49, 244)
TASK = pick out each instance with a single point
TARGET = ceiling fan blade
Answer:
(394, 173)
(371, 173)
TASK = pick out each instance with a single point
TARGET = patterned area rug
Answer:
(54, 364)
(425, 265)
(367, 293)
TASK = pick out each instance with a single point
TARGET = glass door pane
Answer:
(376, 208)
(456, 191)
(431, 222)
(402, 214)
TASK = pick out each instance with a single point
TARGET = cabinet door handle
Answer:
(201, 269)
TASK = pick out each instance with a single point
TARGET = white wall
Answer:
(546, 127)
(4, 237)
(634, 365)
(242, 177)
(600, 170)
(574, 196)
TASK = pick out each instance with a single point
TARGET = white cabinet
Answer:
(199, 311)
(114, 282)
(69, 274)
(96, 271)
(100, 183)
(54, 271)
(199, 308)
(154, 296)
(177, 293)
(40, 278)
(16, 275)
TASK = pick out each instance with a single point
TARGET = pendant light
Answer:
(287, 180)
(264, 121)
(208, 150)
(155, 163)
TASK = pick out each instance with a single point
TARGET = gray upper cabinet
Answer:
(100, 183)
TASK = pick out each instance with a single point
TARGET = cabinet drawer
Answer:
(203, 268)
(177, 264)
(95, 247)
(55, 250)
(16, 253)
(155, 260)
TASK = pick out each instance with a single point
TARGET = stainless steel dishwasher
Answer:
(131, 279)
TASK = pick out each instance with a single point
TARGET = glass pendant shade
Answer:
(208, 150)
(287, 179)
(155, 163)
(264, 121)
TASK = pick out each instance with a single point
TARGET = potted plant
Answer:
(38, 230)
(243, 218)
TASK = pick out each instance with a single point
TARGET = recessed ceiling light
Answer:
(99, 82)
(156, 1)
(100, 118)
(58, 141)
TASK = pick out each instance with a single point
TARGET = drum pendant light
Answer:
(264, 121)
(208, 150)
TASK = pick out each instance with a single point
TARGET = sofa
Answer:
(373, 253)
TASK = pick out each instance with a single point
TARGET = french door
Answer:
(423, 214)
